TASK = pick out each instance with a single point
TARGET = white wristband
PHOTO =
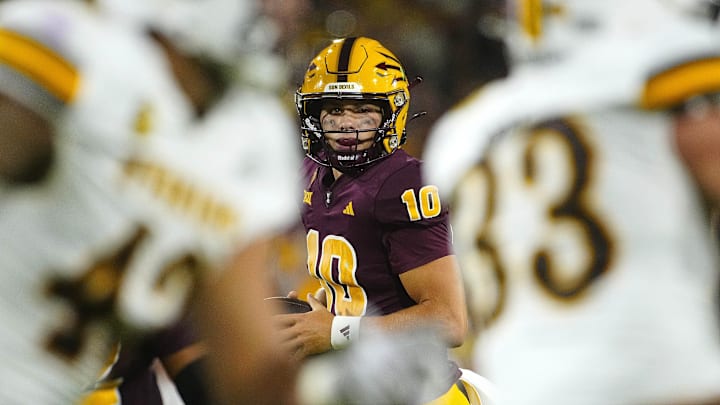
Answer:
(345, 329)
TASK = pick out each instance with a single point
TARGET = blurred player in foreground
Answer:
(113, 220)
(220, 54)
(579, 188)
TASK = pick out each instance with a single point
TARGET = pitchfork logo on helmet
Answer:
(354, 69)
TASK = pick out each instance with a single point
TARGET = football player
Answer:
(377, 235)
(112, 213)
(582, 235)
(219, 53)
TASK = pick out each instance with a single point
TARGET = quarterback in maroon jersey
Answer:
(378, 238)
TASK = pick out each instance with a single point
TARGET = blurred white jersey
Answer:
(135, 209)
(584, 245)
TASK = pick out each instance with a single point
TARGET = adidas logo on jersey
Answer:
(349, 209)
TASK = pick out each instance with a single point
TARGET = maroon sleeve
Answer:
(175, 338)
(410, 243)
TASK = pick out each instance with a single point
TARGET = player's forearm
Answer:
(437, 289)
(449, 323)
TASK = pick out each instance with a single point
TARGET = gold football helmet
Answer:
(357, 69)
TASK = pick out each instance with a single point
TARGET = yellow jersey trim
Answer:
(39, 63)
(680, 83)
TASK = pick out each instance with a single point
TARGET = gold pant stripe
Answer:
(454, 396)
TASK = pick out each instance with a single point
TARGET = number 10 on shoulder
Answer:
(423, 206)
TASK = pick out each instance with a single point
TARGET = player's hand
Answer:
(321, 296)
(307, 333)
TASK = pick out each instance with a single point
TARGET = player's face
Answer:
(359, 118)
(25, 142)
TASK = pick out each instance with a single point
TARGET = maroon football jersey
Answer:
(364, 230)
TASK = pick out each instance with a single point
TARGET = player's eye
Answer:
(372, 108)
(368, 109)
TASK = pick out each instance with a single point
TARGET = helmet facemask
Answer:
(384, 142)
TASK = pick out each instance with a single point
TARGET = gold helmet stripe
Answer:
(344, 59)
(40, 64)
(679, 83)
